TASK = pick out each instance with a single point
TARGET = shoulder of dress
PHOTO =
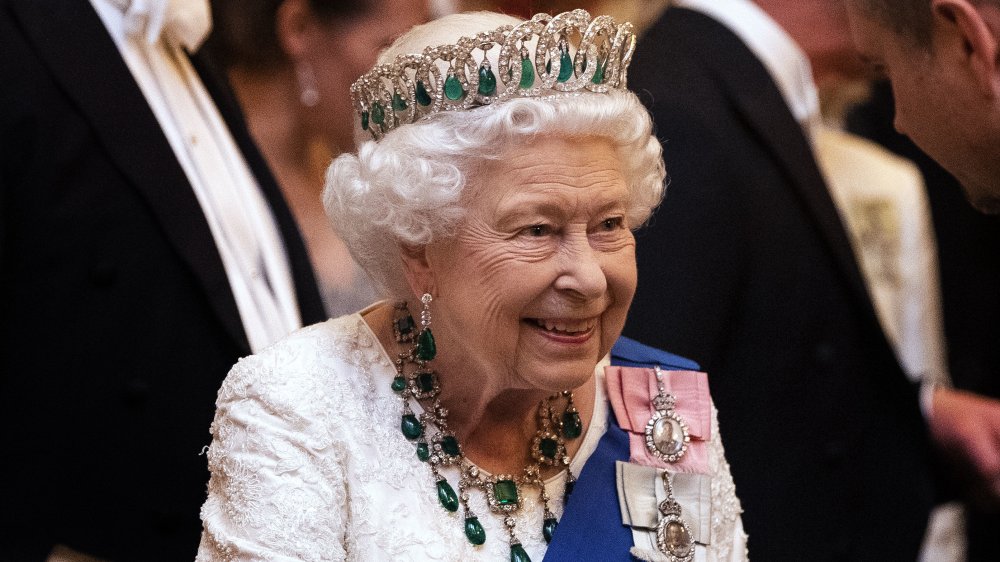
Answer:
(630, 353)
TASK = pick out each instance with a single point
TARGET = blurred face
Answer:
(534, 286)
(340, 52)
(937, 104)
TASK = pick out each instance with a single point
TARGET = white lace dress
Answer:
(308, 463)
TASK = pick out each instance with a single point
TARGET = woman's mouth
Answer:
(565, 330)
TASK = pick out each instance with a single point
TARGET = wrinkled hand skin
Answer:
(966, 427)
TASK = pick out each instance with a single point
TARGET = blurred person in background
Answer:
(941, 57)
(291, 64)
(144, 247)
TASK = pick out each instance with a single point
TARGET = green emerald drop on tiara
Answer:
(599, 73)
(565, 65)
(487, 80)
(378, 114)
(453, 88)
(398, 103)
(527, 74)
(423, 98)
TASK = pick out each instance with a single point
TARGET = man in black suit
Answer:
(118, 317)
(942, 59)
(747, 269)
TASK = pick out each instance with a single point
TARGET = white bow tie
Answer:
(182, 22)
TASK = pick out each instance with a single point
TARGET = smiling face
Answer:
(533, 288)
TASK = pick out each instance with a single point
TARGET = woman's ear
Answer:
(417, 268)
(292, 24)
(975, 29)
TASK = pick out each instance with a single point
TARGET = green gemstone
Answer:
(426, 350)
(548, 66)
(549, 527)
(450, 446)
(565, 66)
(517, 553)
(598, 74)
(398, 103)
(378, 114)
(405, 325)
(423, 98)
(425, 381)
(527, 74)
(487, 81)
(505, 492)
(453, 88)
(411, 426)
(447, 495)
(548, 447)
(572, 426)
(423, 451)
(474, 531)
(364, 120)
(398, 383)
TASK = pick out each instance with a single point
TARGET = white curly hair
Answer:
(406, 189)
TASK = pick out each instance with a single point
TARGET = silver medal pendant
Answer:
(667, 435)
(673, 537)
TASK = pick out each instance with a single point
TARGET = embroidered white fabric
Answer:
(308, 463)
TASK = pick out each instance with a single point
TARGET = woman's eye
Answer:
(613, 223)
(538, 230)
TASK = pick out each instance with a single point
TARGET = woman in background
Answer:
(291, 64)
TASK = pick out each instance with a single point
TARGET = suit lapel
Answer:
(85, 61)
(753, 92)
(306, 290)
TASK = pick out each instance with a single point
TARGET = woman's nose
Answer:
(581, 273)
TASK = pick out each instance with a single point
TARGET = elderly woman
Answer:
(470, 415)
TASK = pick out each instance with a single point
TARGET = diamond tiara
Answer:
(543, 57)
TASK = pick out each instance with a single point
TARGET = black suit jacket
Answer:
(117, 323)
(747, 269)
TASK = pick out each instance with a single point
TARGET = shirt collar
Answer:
(781, 56)
(182, 22)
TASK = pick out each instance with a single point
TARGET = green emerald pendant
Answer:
(548, 528)
(487, 81)
(411, 426)
(527, 74)
(447, 496)
(572, 426)
(453, 88)
(474, 531)
(364, 120)
(505, 492)
(398, 383)
(548, 447)
(426, 350)
(423, 451)
(450, 446)
(423, 98)
(517, 553)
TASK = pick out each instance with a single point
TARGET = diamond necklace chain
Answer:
(415, 380)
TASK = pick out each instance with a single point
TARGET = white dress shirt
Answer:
(152, 36)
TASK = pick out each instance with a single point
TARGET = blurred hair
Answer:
(407, 189)
(244, 34)
(910, 19)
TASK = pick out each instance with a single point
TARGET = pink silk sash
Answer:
(631, 391)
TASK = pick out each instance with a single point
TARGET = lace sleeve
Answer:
(277, 490)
